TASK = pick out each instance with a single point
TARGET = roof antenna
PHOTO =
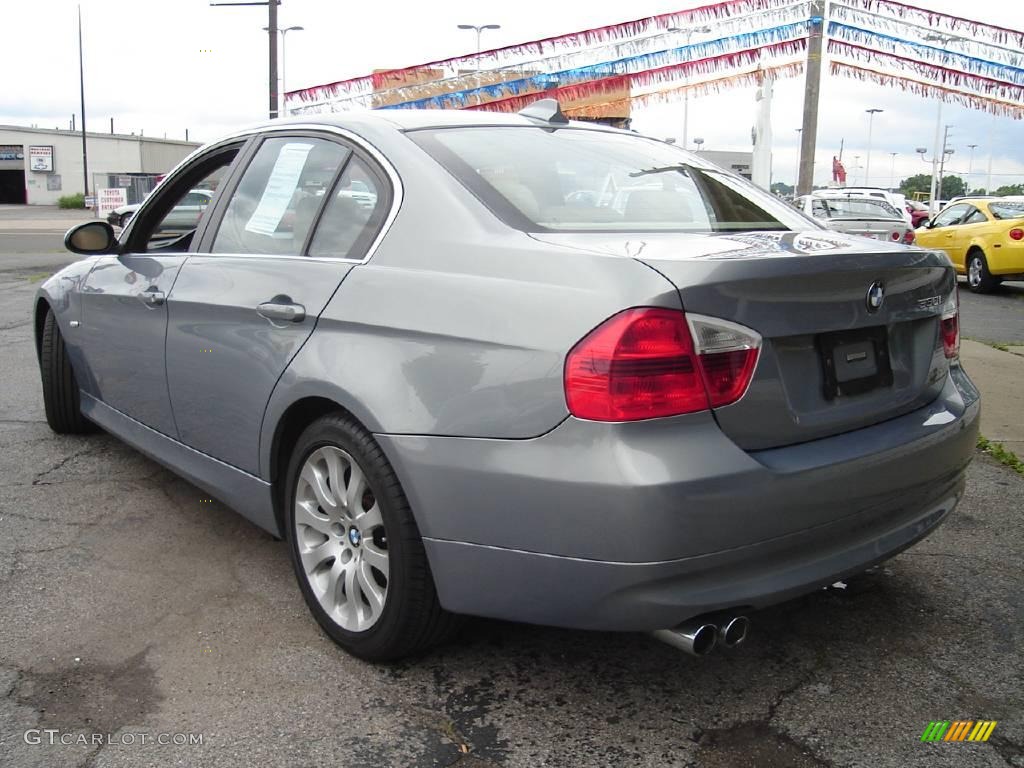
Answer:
(545, 110)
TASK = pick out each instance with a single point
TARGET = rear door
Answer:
(280, 242)
(124, 317)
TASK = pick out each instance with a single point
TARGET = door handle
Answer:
(282, 308)
(152, 297)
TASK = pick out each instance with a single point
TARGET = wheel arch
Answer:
(287, 428)
(42, 308)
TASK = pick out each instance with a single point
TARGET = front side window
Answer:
(272, 209)
(976, 217)
(572, 179)
(170, 223)
(950, 216)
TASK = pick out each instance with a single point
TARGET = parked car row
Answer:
(983, 236)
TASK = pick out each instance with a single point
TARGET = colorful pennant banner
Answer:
(954, 24)
(464, 81)
(646, 79)
(537, 48)
(656, 64)
(939, 56)
(928, 90)
(665, 95)
(942, 76)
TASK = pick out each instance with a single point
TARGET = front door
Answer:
(124, 309)
(941, 232)
(242, 307)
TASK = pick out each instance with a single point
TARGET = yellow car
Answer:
(983, 236)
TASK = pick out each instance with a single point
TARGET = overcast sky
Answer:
(164, 66)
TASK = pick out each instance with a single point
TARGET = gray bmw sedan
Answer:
(521, 367)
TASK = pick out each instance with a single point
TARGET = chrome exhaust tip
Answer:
(733, 631)
(696, 637)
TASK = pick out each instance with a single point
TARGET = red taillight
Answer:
(949, 326)
(1016, 234)
(642, 364)
(908, 238)
(895, 235)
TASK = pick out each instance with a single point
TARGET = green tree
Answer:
(1010, 189)
(952, 186)
(780, 188)
(920, 183)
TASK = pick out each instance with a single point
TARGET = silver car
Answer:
(492, 392)
(865, 216)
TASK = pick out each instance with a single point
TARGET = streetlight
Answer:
(699, 142)
(871, 119)
(892, 172)
(933, 207)
(479, 31)
(686, 93)
(796, 179)
(284, 89)
(970, 166)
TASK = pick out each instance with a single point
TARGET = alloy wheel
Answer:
(974, 272)
(341, 539)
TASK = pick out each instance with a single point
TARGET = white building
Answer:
(40, 165)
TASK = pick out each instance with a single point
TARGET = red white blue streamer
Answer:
(665, 75)
(939, 56)
(707, 56)
(463, 81)
(940, 76)
(549, 46)
(946, 22)
(928, 90)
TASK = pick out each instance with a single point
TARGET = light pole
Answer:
(796, 179)
(970, 166)
(892, 172)
(284, 83)
(690, 31)
(699, 142)
(933, 207)
(271, 48)
(871, 119)
(479, 31)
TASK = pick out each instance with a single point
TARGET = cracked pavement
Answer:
(129, 606)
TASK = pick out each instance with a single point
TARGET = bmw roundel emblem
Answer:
(876, 296)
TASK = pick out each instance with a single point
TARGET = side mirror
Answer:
(91, 238)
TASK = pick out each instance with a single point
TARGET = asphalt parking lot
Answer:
(131, 605)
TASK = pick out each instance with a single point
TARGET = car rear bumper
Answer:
(641, 526)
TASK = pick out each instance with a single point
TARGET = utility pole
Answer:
(272, 35)
(81, 93)
(970, 166)
(942, 159)
(871, 119)
(812, 89)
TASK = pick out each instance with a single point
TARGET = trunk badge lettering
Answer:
(876, 296)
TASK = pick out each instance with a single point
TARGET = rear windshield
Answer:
(571, 180)
(1008, 209)
(860, 207)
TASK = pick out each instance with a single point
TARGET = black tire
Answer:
(411, 620)
(60, 390)
(979, 279)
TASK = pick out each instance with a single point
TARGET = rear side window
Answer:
(272, 209)
(1009, 209)
(570, 179)
(354, 213)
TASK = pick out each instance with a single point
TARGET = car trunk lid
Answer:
(830, 361)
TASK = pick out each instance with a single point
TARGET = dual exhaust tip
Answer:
(701, 635)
